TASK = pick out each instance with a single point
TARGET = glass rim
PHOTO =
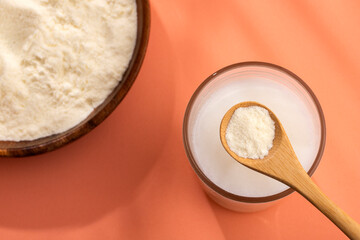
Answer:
(196, 167)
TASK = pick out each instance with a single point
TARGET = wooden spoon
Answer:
(282, 164)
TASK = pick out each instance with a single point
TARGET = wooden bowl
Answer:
(46, 144)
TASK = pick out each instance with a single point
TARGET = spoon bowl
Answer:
(282, 164)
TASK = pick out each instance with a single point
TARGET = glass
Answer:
(239, 72)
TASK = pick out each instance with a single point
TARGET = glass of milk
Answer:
(226, 181)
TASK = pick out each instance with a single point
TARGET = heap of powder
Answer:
(250, 132)
(60, 59)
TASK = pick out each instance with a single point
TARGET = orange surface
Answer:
(130, 178)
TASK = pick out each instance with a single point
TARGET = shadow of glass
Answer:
(236, 225)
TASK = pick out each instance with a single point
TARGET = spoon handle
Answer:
(303, 184)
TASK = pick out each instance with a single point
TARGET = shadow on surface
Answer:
(100, 172)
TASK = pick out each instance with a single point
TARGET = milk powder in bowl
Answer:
(60, 62)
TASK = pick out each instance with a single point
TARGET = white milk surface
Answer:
(295, 112)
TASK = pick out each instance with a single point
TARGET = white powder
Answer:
(59, 59)
(250, 132)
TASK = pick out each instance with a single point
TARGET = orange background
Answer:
(130, 178)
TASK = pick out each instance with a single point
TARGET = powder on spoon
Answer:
(250, 132)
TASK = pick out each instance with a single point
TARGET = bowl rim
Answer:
(198, 170)
(100, 113)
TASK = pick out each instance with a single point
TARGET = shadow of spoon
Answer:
(282, 164)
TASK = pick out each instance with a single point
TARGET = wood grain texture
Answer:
(282, 164)
(46, 144)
